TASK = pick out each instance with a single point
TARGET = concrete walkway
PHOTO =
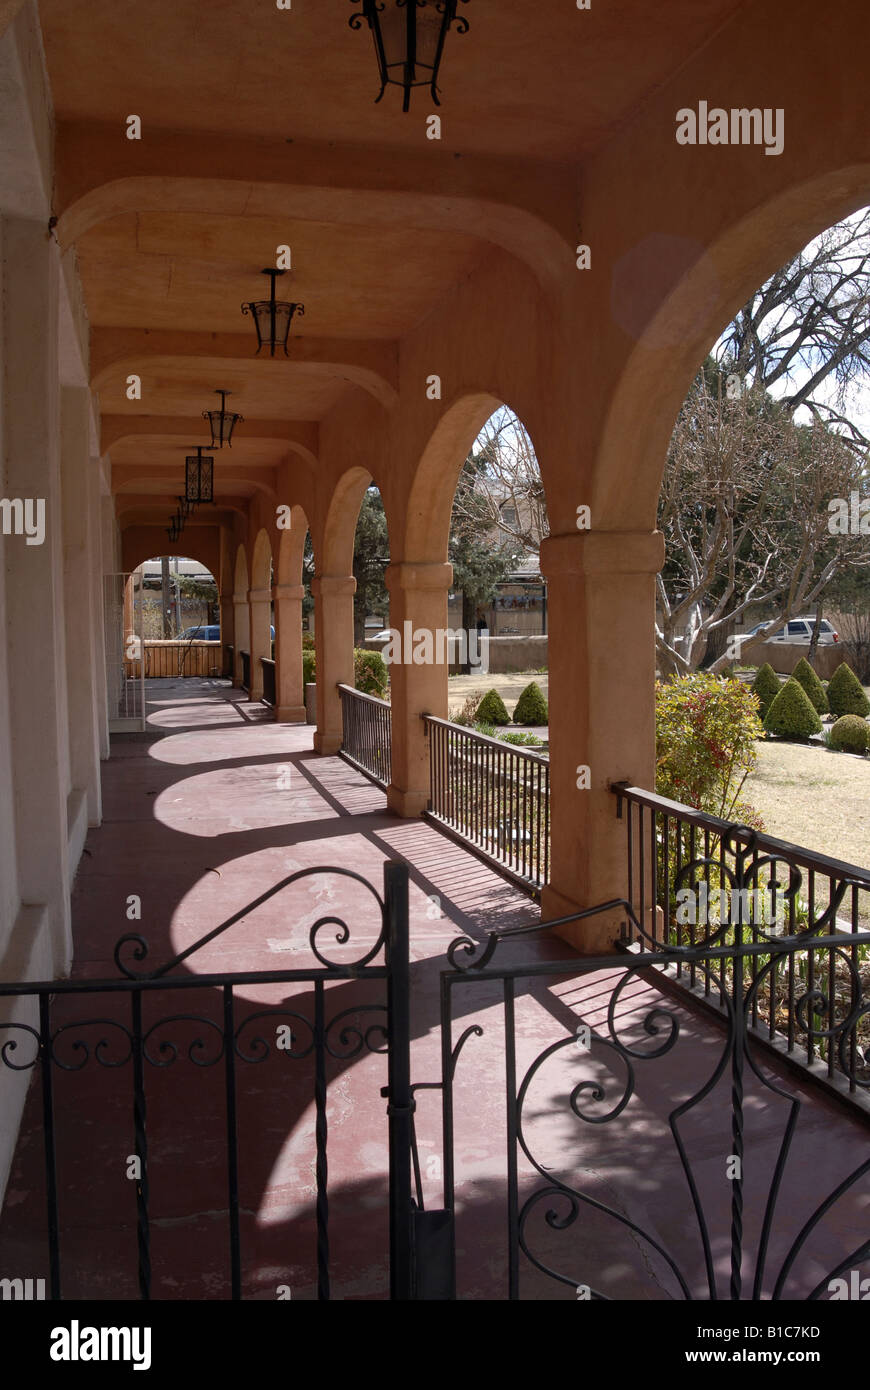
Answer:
(203, 815)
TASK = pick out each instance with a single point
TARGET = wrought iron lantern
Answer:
(198, 477)
(272, 317)
(409, 40)
(221, 422)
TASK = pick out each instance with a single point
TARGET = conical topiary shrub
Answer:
(531, 707)
(766, 686)
(791, 715)
(491, 709)
(851, 734)
(804, 673)
(846, 694)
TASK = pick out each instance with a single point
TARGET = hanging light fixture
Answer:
(272, 317)
(409, 40)
(221, 422)
(198, 477)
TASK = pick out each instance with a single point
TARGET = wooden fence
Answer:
(179, 659)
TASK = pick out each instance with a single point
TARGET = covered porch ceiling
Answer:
(289, 95)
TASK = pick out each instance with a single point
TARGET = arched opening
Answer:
(371, 555)
(179, 621)
(476, 517)
(765, 577)
(478, 501)
(334, 590)
(688, 321)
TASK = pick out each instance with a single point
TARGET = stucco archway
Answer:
(653, 385)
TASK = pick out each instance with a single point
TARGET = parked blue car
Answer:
(211, 632)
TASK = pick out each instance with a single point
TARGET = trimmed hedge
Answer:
(308, 666)
(766, 686)
(846, 694)
(791, 714)
(804, 673)
(491, 709)
(531, 707)
(851, 733)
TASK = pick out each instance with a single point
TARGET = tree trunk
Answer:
(165, 596)
(469, 620)
(814, 640)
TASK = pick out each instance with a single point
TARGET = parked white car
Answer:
(800, 630)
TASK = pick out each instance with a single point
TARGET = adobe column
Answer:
(333, 637)
(418, 605)
(35, 574)
(98, 568)
(228, 628)
(81, 666)
(261, 640)
(289, 693)
(601, 605)
(241, 635)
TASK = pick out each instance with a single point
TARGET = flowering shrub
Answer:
(706, 729)
(370, 672)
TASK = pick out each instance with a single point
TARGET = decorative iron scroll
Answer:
(342, 936)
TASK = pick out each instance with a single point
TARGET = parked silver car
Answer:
(800, 630)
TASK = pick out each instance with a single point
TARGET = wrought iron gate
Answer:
(728, 1246)
(48, 1027)
(724, 1245)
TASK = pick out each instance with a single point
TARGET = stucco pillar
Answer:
(418, 597)
(111, 566)
(601, 601)
(35, 574)
(333, 619)
(228, 626)
(261, 639)
(242, 634)
(97, 569)
(289, 692)
(80, 653)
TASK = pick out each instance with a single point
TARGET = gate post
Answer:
(400, 1101)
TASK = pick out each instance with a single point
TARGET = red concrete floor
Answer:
(199, 819)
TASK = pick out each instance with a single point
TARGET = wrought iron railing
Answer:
(268, 681)
(697, 881)
(492, 796)
(246, 670)
(366, 738)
